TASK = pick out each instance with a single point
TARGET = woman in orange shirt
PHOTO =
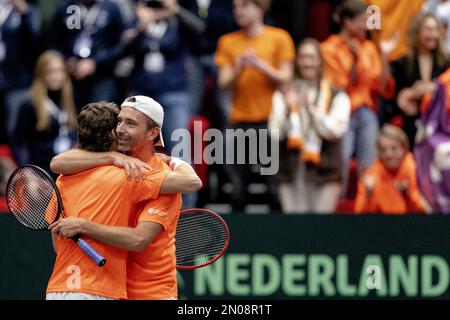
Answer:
(354, 64)
(389, 186)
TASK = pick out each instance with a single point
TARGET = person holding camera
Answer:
(158, 45)
(89, 35)
(160, 52)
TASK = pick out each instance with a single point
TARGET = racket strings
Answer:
(32, 199)
(200, 238)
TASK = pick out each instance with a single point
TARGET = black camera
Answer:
(155, 4)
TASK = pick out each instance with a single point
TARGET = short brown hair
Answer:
(349, 9)
(96, 123)
(394, 133)
(264, 5)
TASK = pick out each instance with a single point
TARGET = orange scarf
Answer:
(302, 133)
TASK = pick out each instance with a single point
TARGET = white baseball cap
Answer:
(150, 108)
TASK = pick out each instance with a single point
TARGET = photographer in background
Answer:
(160, 51)
(91, 41)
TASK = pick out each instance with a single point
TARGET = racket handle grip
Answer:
(86, 247)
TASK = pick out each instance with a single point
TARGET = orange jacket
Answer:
(385, 197)
(339, 61)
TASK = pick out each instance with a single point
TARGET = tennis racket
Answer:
(202, 238)
(34, 200)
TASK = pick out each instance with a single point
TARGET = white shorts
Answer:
(74, 296)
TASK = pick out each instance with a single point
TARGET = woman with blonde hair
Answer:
(414, 73)
(389, 186)
(313, 116)
(47, 120)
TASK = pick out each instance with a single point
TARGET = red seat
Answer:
(347, 205)
(5, 152)
(200, 168)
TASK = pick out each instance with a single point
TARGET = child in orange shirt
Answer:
(389, 186)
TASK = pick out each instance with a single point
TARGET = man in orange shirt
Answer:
(389, 186)
(150, 223)
(354, 64)
(135, 129)
(151, 264)
(252, 63)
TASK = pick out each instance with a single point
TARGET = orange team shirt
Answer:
(252, 92)
(395, 17)
(105, 196)
(338, 62)
(151, 274)
(385, 198)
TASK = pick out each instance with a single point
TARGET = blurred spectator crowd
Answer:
(350, 86)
